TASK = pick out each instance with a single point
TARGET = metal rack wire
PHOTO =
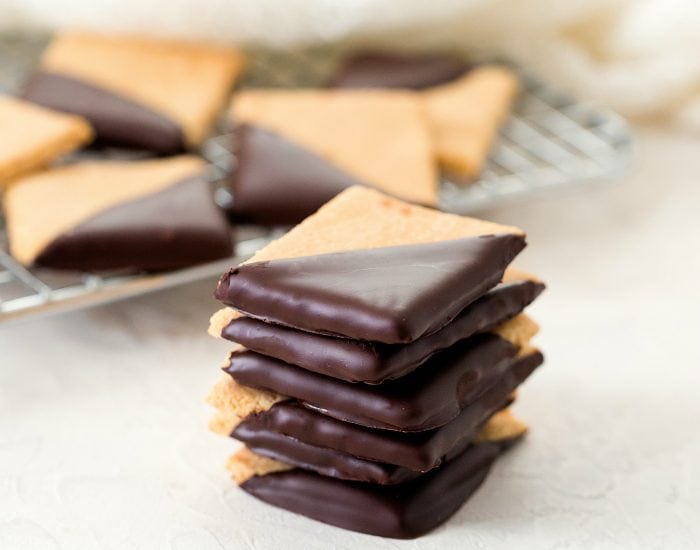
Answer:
(551, 141)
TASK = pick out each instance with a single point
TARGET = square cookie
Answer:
(90, 216)
(379, 137)
(153, 94)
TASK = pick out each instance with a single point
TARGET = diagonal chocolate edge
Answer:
(116, 120)
(372, 362)
(427, 398)
(327, 462)
(292, 434)
(277, 182)
(392, 295)
(400, 511)
(394, 70)
(177, 227)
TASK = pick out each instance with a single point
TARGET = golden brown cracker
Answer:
(234, 399)
(519, 331)
(32, 136)
(361, 218)
(82, 190)
(187, 82)
(378, 136)
(245, 464)
(502, 426)
(466, 115)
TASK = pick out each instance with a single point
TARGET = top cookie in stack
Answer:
(375, 340)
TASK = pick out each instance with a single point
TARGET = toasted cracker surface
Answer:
(32, 136)
(187, 82)
(379, 136)
(465, 116)
(82, 190)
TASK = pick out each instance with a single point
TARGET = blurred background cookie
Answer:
(137, 92)
(145, 215)
(31, 136)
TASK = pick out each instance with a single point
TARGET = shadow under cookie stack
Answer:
(378, 348)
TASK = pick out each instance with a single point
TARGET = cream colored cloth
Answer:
(637, 56)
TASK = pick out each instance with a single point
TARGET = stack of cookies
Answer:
(379, 345)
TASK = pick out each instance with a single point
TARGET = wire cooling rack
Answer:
(550, 141)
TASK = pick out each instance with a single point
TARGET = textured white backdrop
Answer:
(638, 56)
(103, 441)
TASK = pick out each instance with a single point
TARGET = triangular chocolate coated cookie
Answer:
(278, 182)
(392, 295)
(177, 227)
(116, 119)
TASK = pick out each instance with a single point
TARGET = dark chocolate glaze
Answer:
(391, 70)
(428, 398)
(402, 511)
(277, 182)
(292, 434)
(116, 120)
(393, 295)
(373, 362)
(328, 462)
(177, 227)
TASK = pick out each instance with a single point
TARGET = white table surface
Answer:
(103, 439)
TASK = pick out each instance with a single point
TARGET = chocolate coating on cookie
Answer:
(117, 120)
(177, 227)
(295, 435)
(400, 511)
(278, 182)
(391, 295)
(427, 398)
(392, 70)
(373, 362)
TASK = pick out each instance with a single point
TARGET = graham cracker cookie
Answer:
(519, 331)
(465, 116)
(153, 214)
(244, 464)
(378, 136)
(32, 136)
(363, 218)
(277, 181)
(223, 317)
(186, 82)
(502, 426)
(515, 274)
(235, 401)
